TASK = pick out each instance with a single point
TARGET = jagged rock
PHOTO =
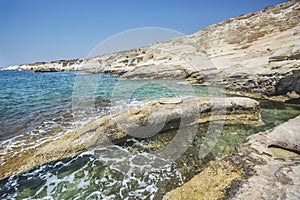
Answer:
(289, 83)
(272, 84)
(266, 166)
(156, 117)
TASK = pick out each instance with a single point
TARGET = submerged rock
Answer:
(266, 166)
(156, 117)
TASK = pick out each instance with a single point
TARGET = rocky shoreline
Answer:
(255, 54)
(266, 166)
(156, 117)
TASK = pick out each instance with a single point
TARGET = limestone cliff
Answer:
(256, 54)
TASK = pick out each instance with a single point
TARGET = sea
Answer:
(35, 106)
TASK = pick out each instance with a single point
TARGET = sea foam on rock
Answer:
(156, 117)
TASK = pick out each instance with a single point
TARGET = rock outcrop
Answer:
(54, 66)
(256, 54)
(266, 166)
(156, 117)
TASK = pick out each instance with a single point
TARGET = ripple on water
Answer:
(43, 111)
(124, 171)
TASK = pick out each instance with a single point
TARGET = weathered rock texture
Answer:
(54, 66)
(266, 166)
(156, 117)
(256, 54)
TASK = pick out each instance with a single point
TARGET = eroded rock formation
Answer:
(256, 54)
(156, 117)
(266, 166)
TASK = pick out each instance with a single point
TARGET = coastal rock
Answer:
(156, 117)
(155, 72)
(278, 58)
(170, 100)
(266, 166)
(53, 66)
(254, 54)
(46, 69)
(295, 55)
(278, 82)
(289, 83)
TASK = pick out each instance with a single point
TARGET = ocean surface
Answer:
(36, 105)
(31, 102)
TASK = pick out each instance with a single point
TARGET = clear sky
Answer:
(44, 30)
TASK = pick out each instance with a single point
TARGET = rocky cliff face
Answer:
(257, 53)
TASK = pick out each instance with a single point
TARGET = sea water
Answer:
(35, 105)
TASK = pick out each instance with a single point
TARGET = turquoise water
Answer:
(45, 101)
(28, 99)
(34, 105)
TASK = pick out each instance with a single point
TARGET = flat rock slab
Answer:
(170, 101)
(266, 166)
(144, 122)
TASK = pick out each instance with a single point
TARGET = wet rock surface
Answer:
(266, 166)
(156, 117)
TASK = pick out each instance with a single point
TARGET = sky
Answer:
(45, 30)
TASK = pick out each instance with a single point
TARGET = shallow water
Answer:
(42, 102)
(130, 170)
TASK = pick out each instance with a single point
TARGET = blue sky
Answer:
(44, 30)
